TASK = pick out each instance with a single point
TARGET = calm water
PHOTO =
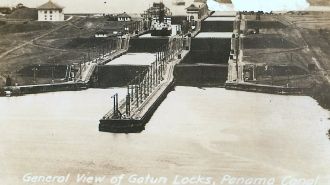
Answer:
(211, 132)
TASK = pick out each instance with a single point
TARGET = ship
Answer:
(161, 22)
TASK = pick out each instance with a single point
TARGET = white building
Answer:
(50, 12)
(196, 11)
(124, 17)
(101, 34)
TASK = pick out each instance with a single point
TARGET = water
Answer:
(211, 132)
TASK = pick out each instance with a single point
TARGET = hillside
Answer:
(32, 43)
(319, 2)
(24, 13)
(224, 1)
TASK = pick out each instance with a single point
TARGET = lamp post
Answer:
(128, 101)
(116, 113)
(53, 68)
(288, 76)
(35, 69)
(105, 8)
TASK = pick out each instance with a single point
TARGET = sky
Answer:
(138, 6)
(270, 5)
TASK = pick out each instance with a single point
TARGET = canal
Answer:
(195, 131)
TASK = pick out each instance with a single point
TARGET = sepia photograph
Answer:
(165, 92)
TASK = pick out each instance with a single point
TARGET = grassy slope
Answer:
(45, 50)
(24, 13)
(305, 33)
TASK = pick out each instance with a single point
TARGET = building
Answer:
(102, 34)
(154, 11)
(20, 5)
(50, 12)
(124, 17)
(196, 11)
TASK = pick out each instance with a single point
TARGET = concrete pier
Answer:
(271, 89)
(42, 88)
(207, 60)
(131, 114)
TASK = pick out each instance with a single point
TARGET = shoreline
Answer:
(319, 92)
(269, 89)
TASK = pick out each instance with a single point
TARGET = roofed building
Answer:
(153, 11)
(50, 12)
(196, 10)
(102, 34)
(124, 17)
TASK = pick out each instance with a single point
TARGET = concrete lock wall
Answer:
(209, 50)
(200, 74)
(146, 45)
(116, 76)
(217, 26)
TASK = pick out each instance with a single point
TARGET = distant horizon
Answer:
(99, 6)
(138, 6)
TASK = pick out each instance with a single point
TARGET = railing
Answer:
(101, 57)
(137, 27)
(146, 83)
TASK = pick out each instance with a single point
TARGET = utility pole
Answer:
(288, 75)
(272, 73)
(80, 69)
(53, 68)
(156, 64)
(137, 95)
(128, 102)
(105, 8)
(116, 113)
(132, 93)
(35, 69)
